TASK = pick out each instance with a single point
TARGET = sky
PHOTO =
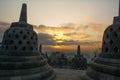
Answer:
(57, 12)
(64, 23)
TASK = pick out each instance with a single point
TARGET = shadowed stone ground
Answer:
(69, 74)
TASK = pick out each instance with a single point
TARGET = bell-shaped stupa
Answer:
(106, 66)
(20, 58)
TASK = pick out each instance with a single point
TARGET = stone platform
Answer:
(68, 74)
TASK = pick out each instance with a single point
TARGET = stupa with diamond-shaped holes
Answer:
(20, 58)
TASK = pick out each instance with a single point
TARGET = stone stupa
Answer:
(106, 66)
(20, 58)
(40, 48)
(79, 61)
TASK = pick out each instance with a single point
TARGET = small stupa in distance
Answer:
(79, 61)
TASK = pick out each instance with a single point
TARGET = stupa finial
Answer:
(78, 50)
(23, 15)
(40, 48)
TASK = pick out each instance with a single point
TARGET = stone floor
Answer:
(69, 74)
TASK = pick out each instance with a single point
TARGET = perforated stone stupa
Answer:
(107, 65)
(20, 58)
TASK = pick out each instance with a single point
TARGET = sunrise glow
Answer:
(63, 24)
(57, 47)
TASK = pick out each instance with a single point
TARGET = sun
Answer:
(57, 47)
(59, 36)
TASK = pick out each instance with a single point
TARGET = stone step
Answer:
(46, 75)
(20, 58)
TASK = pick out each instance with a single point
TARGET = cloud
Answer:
(72, 33)
(95, 26)
(42, 26)
(75, 42)
(4, 25)
(1, 35)
(80, 35)
(98, 27)
(50, 29)
(45, 39)
(67, 34)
